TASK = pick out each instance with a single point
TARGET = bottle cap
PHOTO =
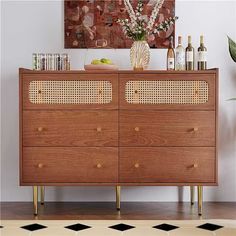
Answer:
(201, 39)
(189, 39)
(180, 40)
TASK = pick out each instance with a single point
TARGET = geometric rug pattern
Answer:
(118, 228)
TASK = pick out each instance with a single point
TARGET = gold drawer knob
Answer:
(40, 129)
(99, 166)
(195, 129)
(195, 165)
(99, 129)
(136, 129)
(136, 91)
(40, 165)
(39, 91)
(136, 165)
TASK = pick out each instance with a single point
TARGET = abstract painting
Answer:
(93, 23)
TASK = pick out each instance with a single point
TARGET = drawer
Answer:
(178, 91)
(167, 128)
(69, 165)
(70, 128)
(168, 165)
(58, 90)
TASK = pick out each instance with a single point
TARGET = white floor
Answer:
(115, 228)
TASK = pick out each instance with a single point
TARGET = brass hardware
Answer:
(40, 129)
(136, 129)
(39, 91)
(118, 197)
(40, 165)
(99, 166)
(42, 193)
(200, 198)
(136, 165)
(192, 194)
(35, 199)
(99, 129)
(136, 91)
(195, 129)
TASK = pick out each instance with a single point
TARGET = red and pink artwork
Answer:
(93, 23)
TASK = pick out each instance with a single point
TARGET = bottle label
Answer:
(171, 63)
(190, 56)
(202, 56)
(180, 59)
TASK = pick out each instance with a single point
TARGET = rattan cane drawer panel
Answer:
(167, 165)
(70, 128)
(57, 93)
(69, 165)
(167, 128)
(70, 92)
(167, 92)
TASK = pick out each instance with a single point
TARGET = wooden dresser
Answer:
(118, 128)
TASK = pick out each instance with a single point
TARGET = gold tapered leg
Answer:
(35, 199)
(192, 188)
(42, 193)
(200, 196)
(118, 198)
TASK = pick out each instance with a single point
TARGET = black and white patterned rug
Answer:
(115, 228)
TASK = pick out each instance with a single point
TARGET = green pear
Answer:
(96, 62)
(106, 61)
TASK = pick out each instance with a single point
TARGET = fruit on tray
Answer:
(96, 62)
(106, 61)
(101, 61)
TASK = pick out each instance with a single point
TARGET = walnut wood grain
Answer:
(209, 78)
(70, 128)
(69, 165)
(144, 127)
(167, 128)
(167, 165)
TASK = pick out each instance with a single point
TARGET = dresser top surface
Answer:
(29, 71)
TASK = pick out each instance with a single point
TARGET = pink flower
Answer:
(151, 38)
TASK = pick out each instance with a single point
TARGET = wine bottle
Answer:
(189, 55)
(202, 55)
(171, 55)
(180, 55)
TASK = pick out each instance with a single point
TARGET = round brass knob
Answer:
(195, 129)
(40, 165)
(135, 91)
(99, 166)
(99, 129)
(136, 129)
(40, 129)
(136, 165)
(39, 91)
(195, 165)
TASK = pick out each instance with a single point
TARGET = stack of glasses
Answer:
(49, 61)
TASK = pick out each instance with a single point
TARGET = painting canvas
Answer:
(93, 23)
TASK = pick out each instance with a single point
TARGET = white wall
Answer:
(37, 26)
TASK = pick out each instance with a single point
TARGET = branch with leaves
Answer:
(232, 48)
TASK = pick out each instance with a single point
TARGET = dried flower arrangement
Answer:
(139, 27)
